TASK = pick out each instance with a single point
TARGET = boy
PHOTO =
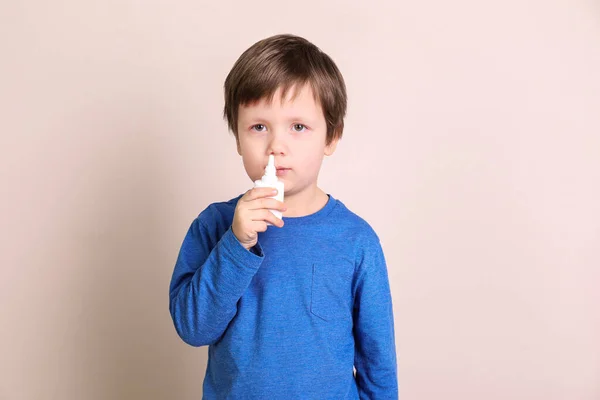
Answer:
(287, 311)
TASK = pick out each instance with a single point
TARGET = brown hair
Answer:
(285, 61)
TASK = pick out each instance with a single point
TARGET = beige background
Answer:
(472, 147)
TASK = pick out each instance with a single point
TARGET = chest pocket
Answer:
(331, 291)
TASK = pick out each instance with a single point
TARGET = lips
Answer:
(282, 172)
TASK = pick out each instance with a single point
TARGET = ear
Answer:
(330, 148)
(239, 148)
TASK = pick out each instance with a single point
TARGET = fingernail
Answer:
(274, 191)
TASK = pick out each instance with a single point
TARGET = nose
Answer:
(277, 145)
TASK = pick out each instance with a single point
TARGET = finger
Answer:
(266, 215)
(278, 222)
(259, 226)
(268, 203)
(257, 193)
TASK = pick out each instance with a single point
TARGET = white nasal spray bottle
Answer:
(269, 179)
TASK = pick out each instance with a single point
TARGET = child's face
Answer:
(293, 131)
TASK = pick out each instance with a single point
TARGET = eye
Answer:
(299, 128)
(258, 127)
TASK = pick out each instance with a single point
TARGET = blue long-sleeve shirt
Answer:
(290, 318)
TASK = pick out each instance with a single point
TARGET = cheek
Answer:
(311, 163)
(252, 165)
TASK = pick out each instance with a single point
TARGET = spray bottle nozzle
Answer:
(271, 170)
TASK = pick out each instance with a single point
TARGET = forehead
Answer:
(298, 99)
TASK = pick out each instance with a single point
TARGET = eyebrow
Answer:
(290, 119)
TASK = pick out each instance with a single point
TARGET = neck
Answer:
(304, 203)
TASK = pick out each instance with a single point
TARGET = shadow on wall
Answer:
(122, 343)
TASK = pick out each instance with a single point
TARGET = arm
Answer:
(207, 284)
(375, 353)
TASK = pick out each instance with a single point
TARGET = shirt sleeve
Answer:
(375, 349)
(208, 282)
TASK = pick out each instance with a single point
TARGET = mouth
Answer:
(282, 171)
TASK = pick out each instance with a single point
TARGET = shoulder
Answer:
(221, 209)
(217, 216)
(362, 240)
(353, 225)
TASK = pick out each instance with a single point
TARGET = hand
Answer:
(252, 214)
